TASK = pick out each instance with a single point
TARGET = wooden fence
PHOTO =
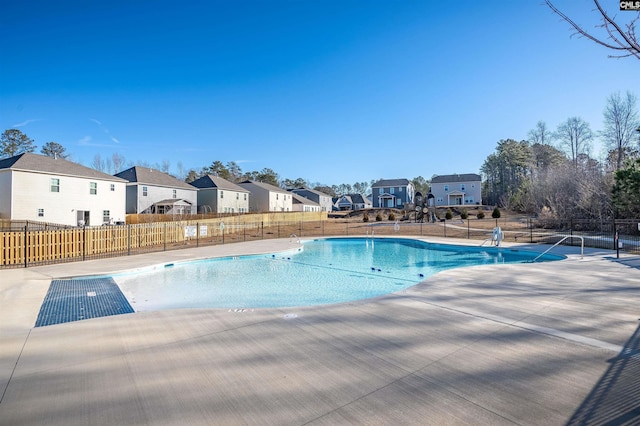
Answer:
(29, 247)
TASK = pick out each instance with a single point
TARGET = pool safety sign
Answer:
(189, 231)
(203, 230)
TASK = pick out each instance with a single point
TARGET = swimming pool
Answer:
(323, 271)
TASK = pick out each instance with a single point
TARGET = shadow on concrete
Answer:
(615, 400)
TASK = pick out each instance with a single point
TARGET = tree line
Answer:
(554, 172)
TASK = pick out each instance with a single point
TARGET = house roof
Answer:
(171, 202)
(265, 186)
(468, 177)
(210, 181)
(299, 199)
(146, 175)
(298, 190)
(391, 182)
(356, 198)
(57, 166)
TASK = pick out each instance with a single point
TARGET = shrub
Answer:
(365, 217)
(448, 215)
(496, 213)
(464, 214)
(392, 216)
(480, 214)
(378, 217)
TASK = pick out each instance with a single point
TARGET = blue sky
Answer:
(333, 92)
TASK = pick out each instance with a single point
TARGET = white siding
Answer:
(32, 191)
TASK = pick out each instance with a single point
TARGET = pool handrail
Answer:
(560, 241)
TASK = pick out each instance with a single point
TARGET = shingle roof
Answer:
(210, 181)
(299, 199)
(265, 186)
(313, 191)
(57, 166)
(150, 176)
(468, 177)
(391, 182)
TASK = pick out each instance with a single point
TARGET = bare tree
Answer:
(611, 34)
(620, 124)
(98, 163)
(118, 162)
(540, 134)
(575, 136)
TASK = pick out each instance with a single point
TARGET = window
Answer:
(40, 212)
(245, 197)
(446, 188)
(401, 189)
(112, 187)
(277, 195)
(221, 194)
(93, 188)
(462, 187)
(55, 185)
(106, 216)
(391, 190)
(237, 196)
(145, 191)
(175, 193)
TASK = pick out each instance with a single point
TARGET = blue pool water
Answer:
(324, 271)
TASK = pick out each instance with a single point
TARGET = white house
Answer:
(460, 190)
(302, 204)
(323, 200)
(152, 191)
(218, 195)
(267, 198)
(47, 189)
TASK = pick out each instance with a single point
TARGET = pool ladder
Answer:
(294, 236)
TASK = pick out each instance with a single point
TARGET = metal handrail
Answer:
(564, 238)
(294, 236)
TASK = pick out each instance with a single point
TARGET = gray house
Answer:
(352, 202)
(459, 190)
(267, 198)
(392, 193)
(320, 198)
(152, 191)
(218, 195)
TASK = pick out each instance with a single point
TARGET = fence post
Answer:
(300, 229)
(165, 237)
(84, 243)
(615, 238)
(262, 230)
(347, 228)
(197, 234)
(129, 240)
(468, 230)
(445, 228)
(530, 231)
(25, 246)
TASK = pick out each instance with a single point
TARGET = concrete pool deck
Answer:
(530, 344)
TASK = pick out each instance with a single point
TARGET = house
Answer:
(218, 195)
(302, 204)
(153, 191)
(393, 193)
(458, 190)
(322, 199)
(52, 189)
(352, 202)
(267, 198)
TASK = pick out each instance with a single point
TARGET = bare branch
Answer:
(623, 41)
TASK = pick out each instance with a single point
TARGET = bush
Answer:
(480, 214)
(379, 217)
(464, 214)
(448, 215)
(392, 216)
(496, 213)
(365, 217)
